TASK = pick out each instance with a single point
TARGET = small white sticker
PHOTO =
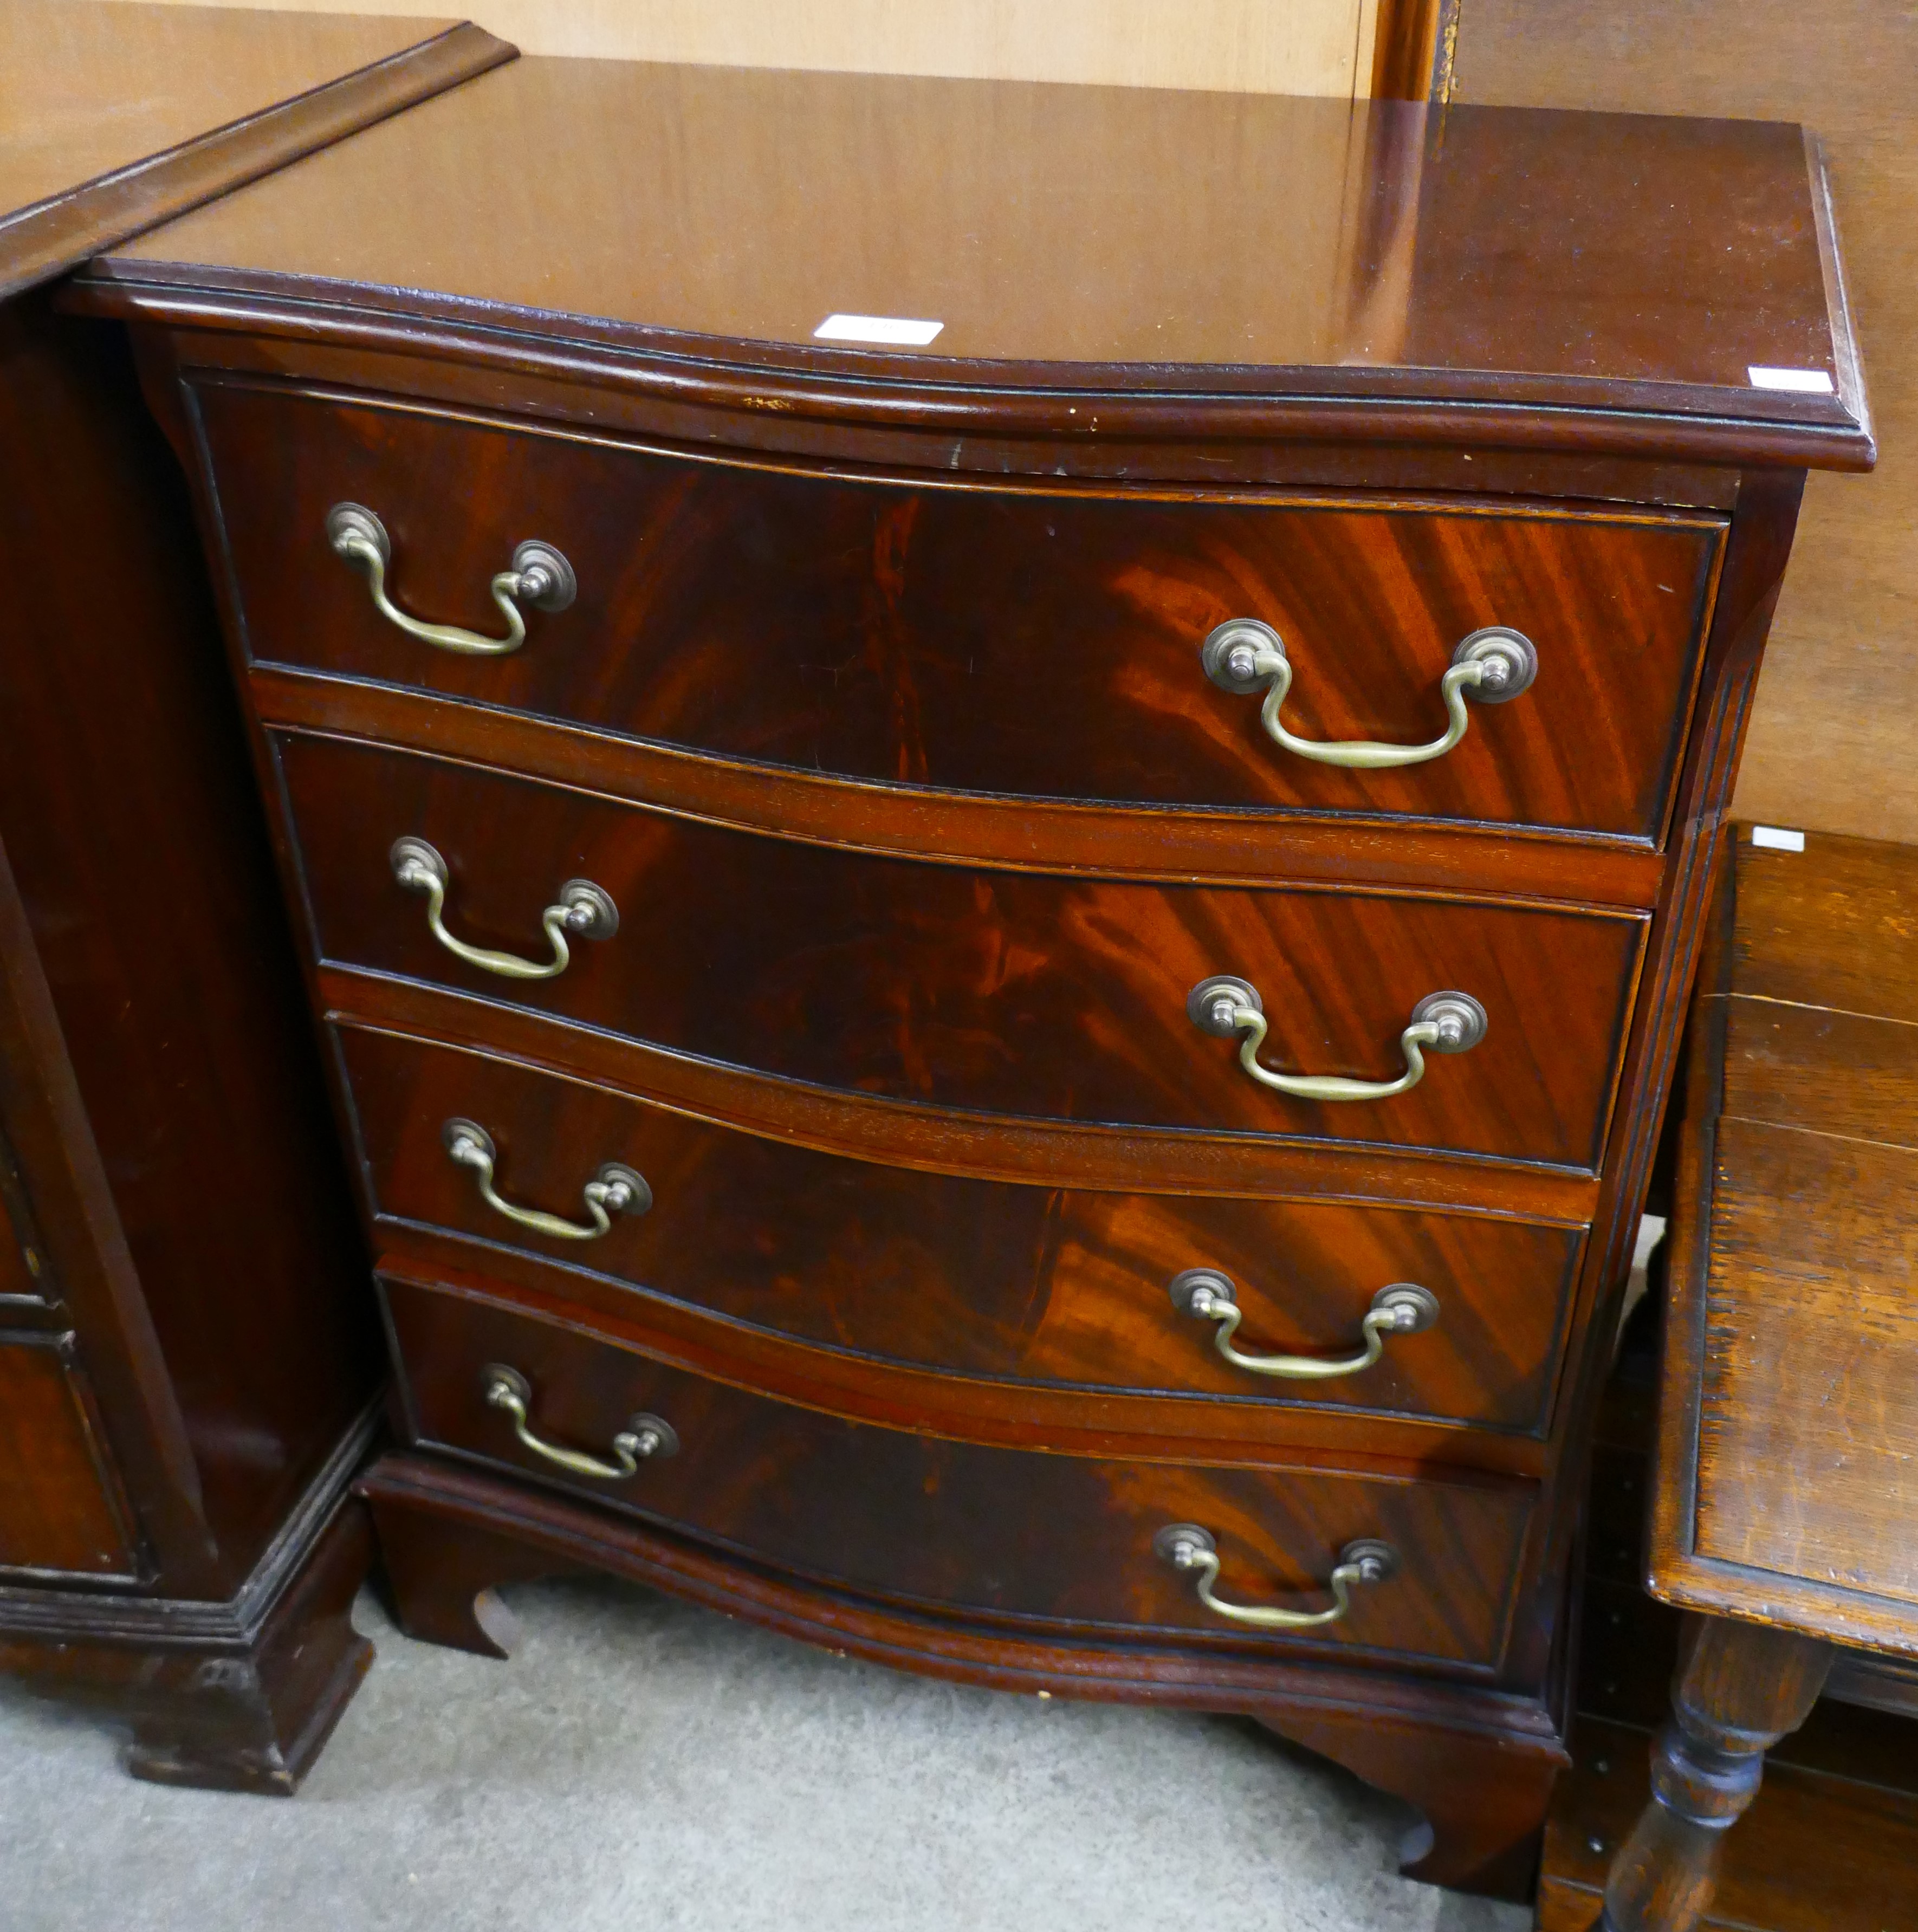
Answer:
(1777, 839)
(895, 328)
(1806, 382)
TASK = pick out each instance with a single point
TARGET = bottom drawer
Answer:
(1011, 1535)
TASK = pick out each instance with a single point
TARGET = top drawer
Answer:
(1021, 639)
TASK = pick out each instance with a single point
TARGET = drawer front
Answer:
(1009, 640)
(1006, 992)
(61, 1511)
(1005, 1534)
(1027, 1283)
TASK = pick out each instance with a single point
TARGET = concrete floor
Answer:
(646, 1766)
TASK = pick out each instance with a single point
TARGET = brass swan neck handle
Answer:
(582, 910)
(1403, 1309)
(1195, 1552)
(539, 577)
(1225, 1007)
(1491, 666)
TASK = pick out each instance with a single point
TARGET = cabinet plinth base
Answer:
(1478, 1763)
(248, 1708)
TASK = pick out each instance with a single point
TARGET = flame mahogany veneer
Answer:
(880, 716)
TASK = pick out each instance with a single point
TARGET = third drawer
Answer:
(1024, 1283)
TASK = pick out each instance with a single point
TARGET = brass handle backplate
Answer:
(583, 909)
(613, 1190)
(1491, 666)
(538, 576)
(644, 1437)
(1441, 1023)
(1188, 1548)
(1403, 1309)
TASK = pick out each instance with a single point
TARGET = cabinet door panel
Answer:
(59, 1510)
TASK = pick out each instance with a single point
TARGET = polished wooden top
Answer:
(107, 112)
(1109, 239)
(1789, 1450)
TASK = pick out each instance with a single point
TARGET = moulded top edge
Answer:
(959, 235)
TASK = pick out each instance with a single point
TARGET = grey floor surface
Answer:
(643, 1765)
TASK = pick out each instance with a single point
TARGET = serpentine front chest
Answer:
(1001, 798)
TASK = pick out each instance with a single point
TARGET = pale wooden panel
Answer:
(1252, 47)
(1830, 746)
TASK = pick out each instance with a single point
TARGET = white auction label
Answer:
(1778, 838)
(888, 328)
(1806, 382)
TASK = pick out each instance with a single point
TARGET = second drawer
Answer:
(1031, 1283)
(1008, 992)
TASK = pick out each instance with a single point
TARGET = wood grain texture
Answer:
(60, 1513)
(1023, 198)
(1792, 1385)
(1002, 993)
(1006, 641)
(1311, 46)
(1828, 748)
(1755, 561)
(1055, 1542)
(119, 117)
(1829, 928)
(1808, 1424)
(1031, 1284)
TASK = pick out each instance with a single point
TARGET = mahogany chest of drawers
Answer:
(1001, 798)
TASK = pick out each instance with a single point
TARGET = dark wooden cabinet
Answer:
(190, 1367)
(760, 813)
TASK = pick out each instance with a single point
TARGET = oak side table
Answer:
(1785, 1490)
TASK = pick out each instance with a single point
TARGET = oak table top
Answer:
(1788, 1481)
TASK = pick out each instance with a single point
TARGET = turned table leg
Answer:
(1739, 1688)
